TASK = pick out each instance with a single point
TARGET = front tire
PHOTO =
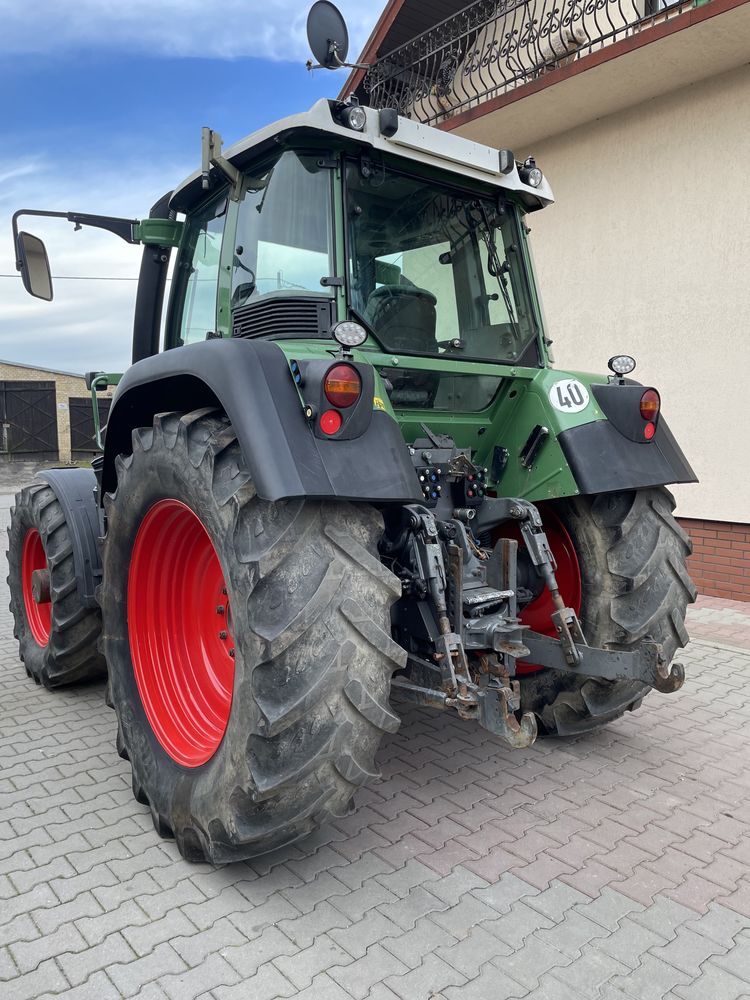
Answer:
(633, 584)
(250, 726)
(57, 636)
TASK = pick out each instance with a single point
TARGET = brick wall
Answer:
(720, 563)
(66, 385)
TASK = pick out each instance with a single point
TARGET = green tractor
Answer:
(350, 472)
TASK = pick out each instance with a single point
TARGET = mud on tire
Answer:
(313, 660)
(632, 555)
(71, 652)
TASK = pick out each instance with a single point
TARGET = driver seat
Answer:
(405, 318)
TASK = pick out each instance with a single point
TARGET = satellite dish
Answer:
(327, 35)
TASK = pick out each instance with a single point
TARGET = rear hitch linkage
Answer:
(472, 606)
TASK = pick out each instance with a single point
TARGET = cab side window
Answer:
(198, 272)
(284, 242)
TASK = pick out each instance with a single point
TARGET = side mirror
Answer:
(33, 263)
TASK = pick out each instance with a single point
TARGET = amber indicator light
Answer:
(342, 385)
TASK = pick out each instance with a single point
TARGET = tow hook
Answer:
(496, 706)
(667, 680)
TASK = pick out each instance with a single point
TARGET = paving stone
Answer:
(81, 966)
(571, 934)
(737, 958)
(459, 919)
(95, 929)
(97, 987)
(213, 972)
(267, 984)
(488, 985)
(590, 972)
(688, 950)
(556, 900)
(630, 942)
(29, 954)
(413, 873)
(515, 926)
(129, 977)
(145, 935)
(410, 947)
(715, 983)
(359, 976)
(508, 889)
(247, 957)
(720, 924)
(325, 988)
(405, 912)
(356, 938)
(46, 978)
(305, 928)
(652, 980)
(428, 980)
(302, 967)
(532, 960)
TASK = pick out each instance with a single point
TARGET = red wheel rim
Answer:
(181, 645)
(536, 614)
(38, 615)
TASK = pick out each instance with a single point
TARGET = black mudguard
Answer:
(75, 490)
(603, 460)
(251, 382)
(613, 454)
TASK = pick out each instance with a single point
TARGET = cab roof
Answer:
(412, 141)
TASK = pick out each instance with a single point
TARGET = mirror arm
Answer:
(120, 227)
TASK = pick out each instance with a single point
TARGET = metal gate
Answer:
(82, 442)
(29, 420)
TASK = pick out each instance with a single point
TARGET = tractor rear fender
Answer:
(285, 456)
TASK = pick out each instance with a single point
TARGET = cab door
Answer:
(198, 307)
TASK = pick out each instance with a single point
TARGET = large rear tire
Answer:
(632, 584)
(248, 644)
(58, 636)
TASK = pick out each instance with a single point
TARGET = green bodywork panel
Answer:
(521, 403)
(158, 232)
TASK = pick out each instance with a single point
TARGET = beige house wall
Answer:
(647, 252)
(65, 386)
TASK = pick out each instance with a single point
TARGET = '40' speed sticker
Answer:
(569, 395)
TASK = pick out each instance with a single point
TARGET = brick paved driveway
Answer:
(611, 866)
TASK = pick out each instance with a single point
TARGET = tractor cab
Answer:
(346, 214)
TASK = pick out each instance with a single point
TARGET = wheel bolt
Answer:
(222, 635)
(220, 609)
(231, 653)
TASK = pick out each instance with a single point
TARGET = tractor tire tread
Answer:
(310, 704)
(71, 654)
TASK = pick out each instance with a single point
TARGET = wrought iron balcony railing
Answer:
(492, 46)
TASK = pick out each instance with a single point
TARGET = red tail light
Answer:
(649, 430)
(330, 422)
(342, 385)
(650, 403)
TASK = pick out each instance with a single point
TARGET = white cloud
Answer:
(270, 29)
(89, 323)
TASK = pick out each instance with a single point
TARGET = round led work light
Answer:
(354, 117)
(530, 173)
(621, 364)
(349, 334)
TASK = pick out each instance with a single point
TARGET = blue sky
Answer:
(102, 113)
